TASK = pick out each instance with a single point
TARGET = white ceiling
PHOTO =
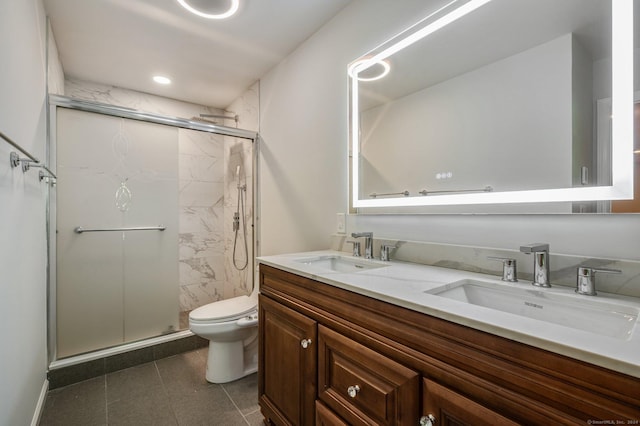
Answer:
(211, 62)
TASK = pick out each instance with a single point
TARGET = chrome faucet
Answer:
(368, 243)
(541, 274)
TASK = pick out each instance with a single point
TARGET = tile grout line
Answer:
(234, 404)
(164, 389)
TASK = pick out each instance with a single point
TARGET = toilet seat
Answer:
(224, 310)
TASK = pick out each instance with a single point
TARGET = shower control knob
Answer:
(305, 343)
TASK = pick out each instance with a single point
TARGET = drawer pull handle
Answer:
(305, 343)
(353, 391)
(428, 420)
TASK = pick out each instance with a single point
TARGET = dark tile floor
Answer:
(169, 391)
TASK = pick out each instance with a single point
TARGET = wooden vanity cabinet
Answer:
(287, 364)
(370, 362)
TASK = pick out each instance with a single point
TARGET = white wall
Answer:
(303, 124)
(22, 212)
(304, 158)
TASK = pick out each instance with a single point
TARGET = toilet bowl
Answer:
(231, 326)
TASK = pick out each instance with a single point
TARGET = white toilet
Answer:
(231, 326)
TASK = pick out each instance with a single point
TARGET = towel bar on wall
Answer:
(27, 163)
(80, 229)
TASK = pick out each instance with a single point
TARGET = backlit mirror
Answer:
(495, 103)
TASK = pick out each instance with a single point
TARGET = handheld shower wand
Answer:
(236, 215)
(236, 224)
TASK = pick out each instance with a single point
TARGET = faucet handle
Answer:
(509, 269)
(356, 248)
(385, 252)
(586, 279)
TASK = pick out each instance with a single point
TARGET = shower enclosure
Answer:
(149, 220)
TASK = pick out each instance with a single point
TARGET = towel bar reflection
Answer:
(80, 229)
(375, 195)
(456, 191)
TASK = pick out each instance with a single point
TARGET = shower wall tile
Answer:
(118, 96)
(201, 240)
(201, 168)
(201, 194)
(196, 295)
(237, 283)
(247, 107)
(238, 153)
(201, 144)
(201, 270)
(201, 219)
(197, 245)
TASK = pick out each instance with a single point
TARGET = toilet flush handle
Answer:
(248, 321)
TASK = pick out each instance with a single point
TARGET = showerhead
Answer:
(204, 120)
(233, 117)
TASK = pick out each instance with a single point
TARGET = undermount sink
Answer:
(338, 263)
(604, 317)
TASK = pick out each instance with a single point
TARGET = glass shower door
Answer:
(115, 284)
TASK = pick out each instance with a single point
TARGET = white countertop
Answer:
(404, 284)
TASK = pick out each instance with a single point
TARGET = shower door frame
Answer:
(58, 101)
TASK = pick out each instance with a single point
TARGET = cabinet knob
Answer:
(305, 343)
(428, 420)
(353, 391)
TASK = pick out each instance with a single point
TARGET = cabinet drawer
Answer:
(451, 408)
(363, 386)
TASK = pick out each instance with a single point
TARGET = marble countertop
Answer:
(404, 284)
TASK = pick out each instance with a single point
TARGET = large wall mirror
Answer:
(497, 106)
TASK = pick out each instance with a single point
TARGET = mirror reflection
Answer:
(514, 97)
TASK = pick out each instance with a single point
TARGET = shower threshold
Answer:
(81, 367)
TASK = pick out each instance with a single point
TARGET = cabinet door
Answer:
(362, 386)
(287, 364)
(452, 409)
(326, 417)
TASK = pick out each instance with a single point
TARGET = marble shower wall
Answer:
(208, 191)
(239, 152)
(112, 95)
(239, 277)
(201, 218)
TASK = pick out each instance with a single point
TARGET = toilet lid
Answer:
(222, 310)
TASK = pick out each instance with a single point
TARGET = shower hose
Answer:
(236, 227)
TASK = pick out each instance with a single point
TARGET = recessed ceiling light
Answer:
(233, 8)
(161, 79)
